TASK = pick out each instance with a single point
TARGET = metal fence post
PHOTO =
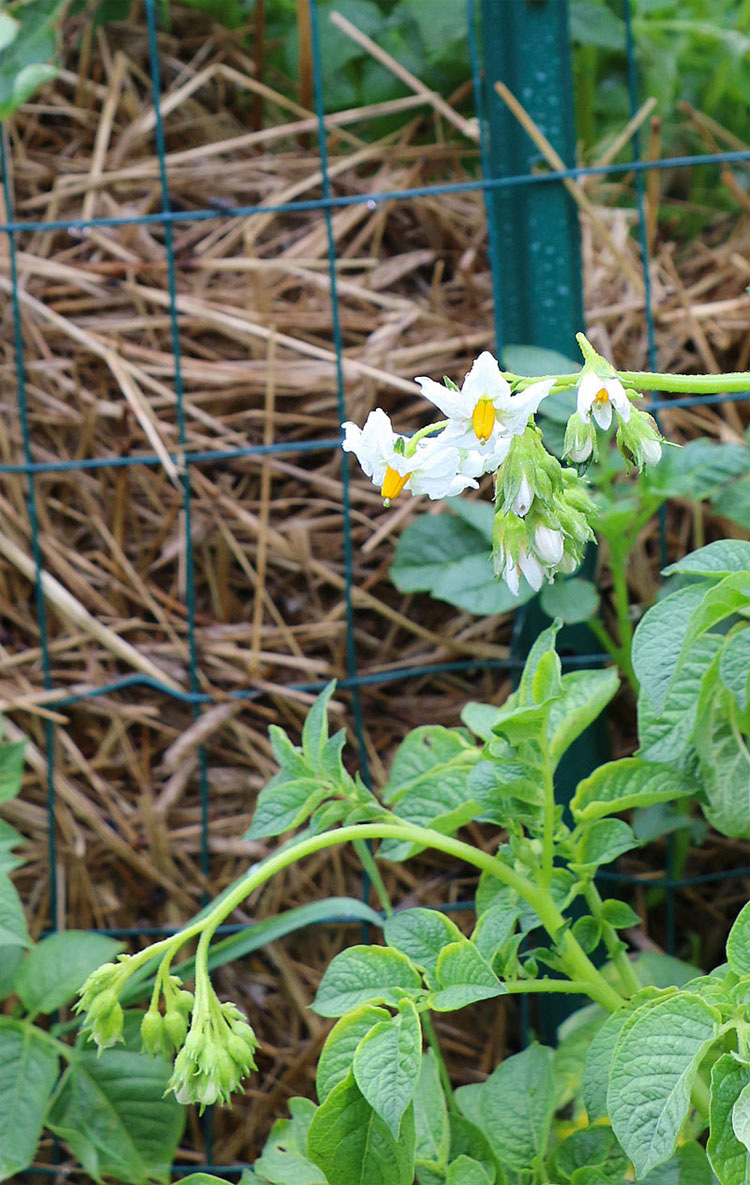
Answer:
(538, 296)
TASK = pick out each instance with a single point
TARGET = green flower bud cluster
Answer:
(99, 1000)
(218, 1053)
(543, 515)
(164, 1033)
(639, 440)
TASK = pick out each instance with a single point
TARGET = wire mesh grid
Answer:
(185, 460)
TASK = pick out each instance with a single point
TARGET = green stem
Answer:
(613, 650)
(411, 444)
(522, 987)
(621, 962)
(548, 826)
(371, 868)
(434, 1044)
(618, 564)
(645, 380)
(574, 960)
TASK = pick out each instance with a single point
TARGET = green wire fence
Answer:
(534, 203)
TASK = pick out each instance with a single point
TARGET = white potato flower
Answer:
(436, 468)
(484, 414)
(598, 394)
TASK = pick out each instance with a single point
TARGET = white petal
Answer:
(531, 569)
(514, 415)
(618, 398)
(449, 402)
(485, 381)
(523, 499)
(651, 451)
(494, 452)
(588, 388)
(568, 564)
(602, 413)
(511, 577)
(548, 545)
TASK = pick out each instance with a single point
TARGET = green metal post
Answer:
(538, 296)
(536, 250)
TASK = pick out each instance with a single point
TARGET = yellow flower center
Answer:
(602, 396)
(483, 419)
(393, 484)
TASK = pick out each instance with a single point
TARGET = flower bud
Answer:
(580, 440)
(639, 440)
(152, 1032)
(105, 1021)
(175, 1028)
(548, 544)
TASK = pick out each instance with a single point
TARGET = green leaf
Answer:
(494, 927)
(24, 62)
(284, 1159)
(619, 914)
(515, 1106)
(362, 975)
(341, 1044)
(654, 1066)
(29, 1069)
(430, 544)
(479, 515)
(544, 644)
(697, 470)
(601, 1049)
(13, 930)
(730, 1076)
(315, 728)
(629, 782)
(738, 943)
(11, 769)
(352, 1144)
(603, 841)
(724, 763)
(10, 961)
(718, 559)
(595, 24)
(585, 695)
(431, 1115)
(734, 502)
(467, 1139)
(387, 1064)
(282, 806)
(421, 934)
(56, 967)
(658, 639)
(688, 1166)
(112, 1111)
(463, 977)
(449, 558)
(572, 600)
(9, 28)
(741, 1117)
(665, 735)
(734, 667)
(592, 1147)
(466, 1171)
(427, 783)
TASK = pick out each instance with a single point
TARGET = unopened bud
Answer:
(175, 1027)
(639, 440)
(152, 1032)
(580, 440)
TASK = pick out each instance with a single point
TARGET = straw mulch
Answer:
(257, 366)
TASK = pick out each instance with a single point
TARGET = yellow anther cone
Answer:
(483, 419)
(393, 483)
